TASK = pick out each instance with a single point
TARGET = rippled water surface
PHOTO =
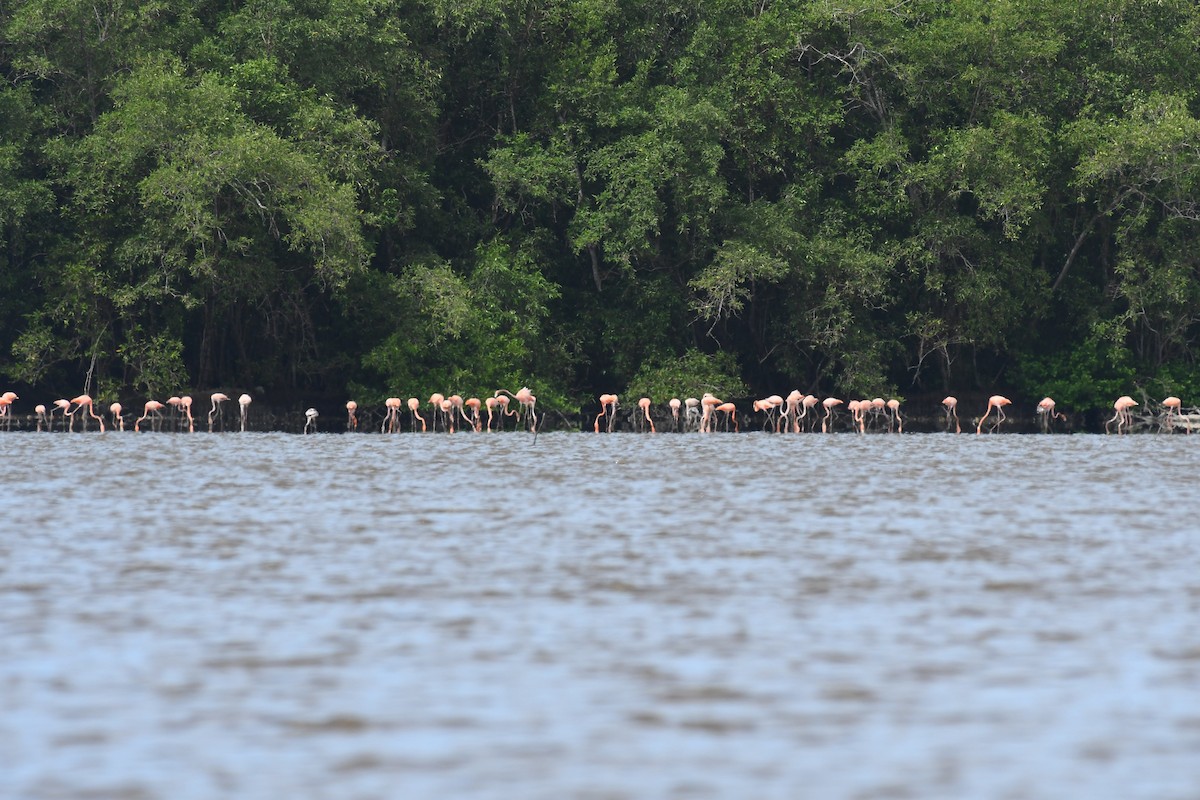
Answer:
(729, 616)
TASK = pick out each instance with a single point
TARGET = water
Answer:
(929, 616)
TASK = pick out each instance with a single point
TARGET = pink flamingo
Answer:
(244, 406)
(217, 410)
(40, 410)
(490, 403)
(644, 405)
(153, 409)
(185, 403)
(894, 406)
(675, 406)
(790, 416)
(528, 403)
(830, 404)
(1124, 415)
(708, 403)
(118, 420)
(606, 400)
(950, 404)
(414, 413)
(391, 423)
(473, 404)
(807, 403)
(351, 415)
(81, 401)
(997, 402)
(730, 411)
(447, 407)
(63, 406)
(1173, 405)
(1047, 414)
(6, 401)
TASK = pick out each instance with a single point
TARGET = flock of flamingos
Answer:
(795, 413)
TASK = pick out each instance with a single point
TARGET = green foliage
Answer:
(862, 197)
(690, 375)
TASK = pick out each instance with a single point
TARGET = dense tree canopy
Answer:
(401, 196)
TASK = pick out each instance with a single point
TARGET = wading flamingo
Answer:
(63, 406)
(606, 400)
(1171, 407)
(414, 412)
(644, 405)
(997, 402)
(40, 410)
(808, 403)
(830, 404)
(82, 401)
(1124, 415)
(244, 403)
(310, 420)
(950, 404)
(490, 403)
(185, 404)
(6, 415)
(730, 414)
(1047, 414)
(218, 409)
(118, 420)
(675, 406)
(894, 406)
(152, 411)
(391, 421)
(528, 404)
(351, 415)
(692, 406)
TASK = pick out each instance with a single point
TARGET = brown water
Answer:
(271, 616)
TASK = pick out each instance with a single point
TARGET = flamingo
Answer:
(351, 415)
(448, 413)
(40, 410)
(997, 402)
(830, 404)
(951, 406)
(675, 406)
(730, 411)
(6, 401)
(1123, 417)
(708, 402)
(502, 402)
(1172, 405)
(82, 401)
(185, 403)
(62, 405)
(174, 403)
(528, 403)
(414, 412)
(858, 410)
(790, 416)
(894, 406)
(644, 405)
(693, 413)
(807, 403)
(310, 419)
(391, 422)
(153, 409)
(606, 400)
(244, 403)
(1047, 414)
(118, 420)
(473, 417)
(435, 400)
(490, 403)
(217, 410)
